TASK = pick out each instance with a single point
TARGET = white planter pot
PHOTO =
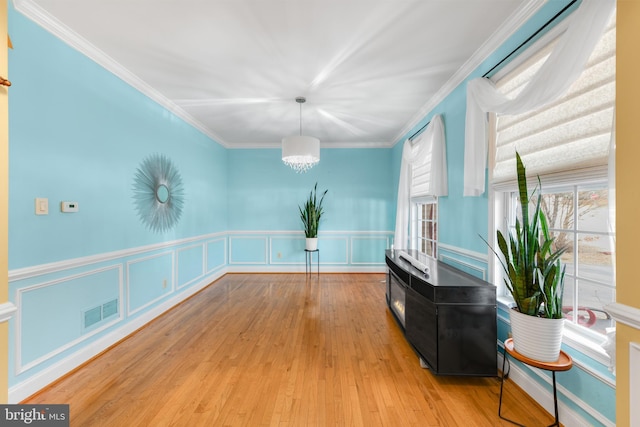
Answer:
(537, 338)
(311, 243)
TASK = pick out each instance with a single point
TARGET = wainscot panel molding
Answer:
(191, 264)
(287, 250)
(522, 376)
(474, 263)
(147, 280)
(53, 267)
(248, 249)
(335, 250)
(69, 311)
(31, 328)
(34, 383)
(340, 251)
(368, 250)
(216, 254)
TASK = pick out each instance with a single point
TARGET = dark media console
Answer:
(447, 315)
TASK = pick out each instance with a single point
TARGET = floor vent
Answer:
(95, 315)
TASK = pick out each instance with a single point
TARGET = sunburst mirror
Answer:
(158, 193)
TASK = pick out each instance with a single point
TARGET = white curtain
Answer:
(561, 69)
(431, 143)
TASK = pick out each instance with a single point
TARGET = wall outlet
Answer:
(69, 206)
(164, 284)
(279, 254)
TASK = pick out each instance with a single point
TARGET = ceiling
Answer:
(370, 69)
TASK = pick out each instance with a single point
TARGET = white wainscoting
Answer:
(7, 310)
(282, 251)
(20, 365)
(63, 354)
(630, 316)
(474, 263)
(634, 383)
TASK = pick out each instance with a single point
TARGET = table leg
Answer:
(306, 263)
(555, 401)
(504, 359)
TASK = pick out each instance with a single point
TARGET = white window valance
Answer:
(552, 80)
(423, 172)
(568, 139)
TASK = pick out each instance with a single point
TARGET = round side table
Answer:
(564, 363)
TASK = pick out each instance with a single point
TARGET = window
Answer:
(578, 219)
(567, 144)
(428, 181)
(426, 226)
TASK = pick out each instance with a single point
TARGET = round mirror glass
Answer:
(162, 193)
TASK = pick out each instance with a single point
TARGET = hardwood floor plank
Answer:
(279, 350)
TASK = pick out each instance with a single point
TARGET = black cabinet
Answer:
(449, 316)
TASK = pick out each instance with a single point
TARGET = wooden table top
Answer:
(564, 362)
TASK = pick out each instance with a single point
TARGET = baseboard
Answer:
(37, 382)
(300, 269)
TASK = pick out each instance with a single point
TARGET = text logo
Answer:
(34, 415)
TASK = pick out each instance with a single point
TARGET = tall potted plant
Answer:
(534, 275)
(310, 214)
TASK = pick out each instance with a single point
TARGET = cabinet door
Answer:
(467, 339)
(421, 327)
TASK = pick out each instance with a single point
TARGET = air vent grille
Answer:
(96, 315)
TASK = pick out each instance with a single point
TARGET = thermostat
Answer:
(69, 206)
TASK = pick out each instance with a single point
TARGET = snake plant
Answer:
(311, 212)
(534, 273)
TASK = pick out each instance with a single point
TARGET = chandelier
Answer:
(299, 152)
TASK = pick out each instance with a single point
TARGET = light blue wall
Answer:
(264, 194)
(79, 133)
(359, 208)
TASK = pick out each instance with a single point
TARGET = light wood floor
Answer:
(280, 350)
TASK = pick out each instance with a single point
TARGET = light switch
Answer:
(42, 206)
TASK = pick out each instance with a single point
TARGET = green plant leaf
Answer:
(311, 212)
(534, 273)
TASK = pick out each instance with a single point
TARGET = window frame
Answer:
(416, 237)
(578, 337)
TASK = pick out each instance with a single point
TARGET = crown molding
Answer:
(41, 17)
(323, 145)
(522, 15)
